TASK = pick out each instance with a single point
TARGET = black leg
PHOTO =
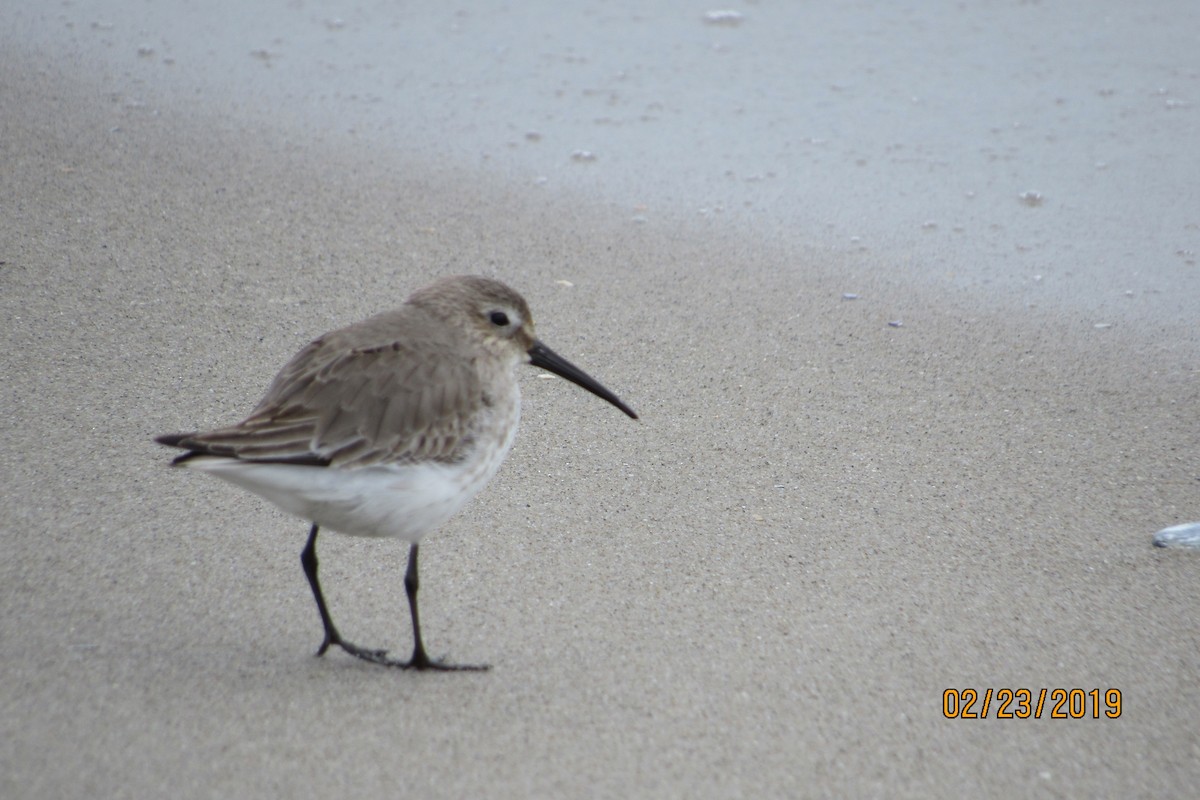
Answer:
(308, 559)
(420, 659)
(412, 582)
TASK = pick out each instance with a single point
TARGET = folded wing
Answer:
(335, 404)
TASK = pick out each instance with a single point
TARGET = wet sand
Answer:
(822, 521)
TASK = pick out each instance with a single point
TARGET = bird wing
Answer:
(353, 399)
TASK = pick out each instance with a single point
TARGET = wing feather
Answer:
(392, 389)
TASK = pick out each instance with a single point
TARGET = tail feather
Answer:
(177, 440)
(197, 448)
(174, 439)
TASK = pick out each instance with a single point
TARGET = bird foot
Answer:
(423, 662)
(419, 660)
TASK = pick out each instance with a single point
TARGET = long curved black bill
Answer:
(547, 359)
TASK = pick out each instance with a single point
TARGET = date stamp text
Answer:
(1031, 703)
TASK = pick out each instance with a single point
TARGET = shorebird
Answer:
(386, 428)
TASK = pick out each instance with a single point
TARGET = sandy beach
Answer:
(906, 301)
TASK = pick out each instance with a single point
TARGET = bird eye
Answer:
(498, 318)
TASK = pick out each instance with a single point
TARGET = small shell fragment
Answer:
(723, 17)
(1185, 535)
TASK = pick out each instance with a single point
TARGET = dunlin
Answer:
(389, 426)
